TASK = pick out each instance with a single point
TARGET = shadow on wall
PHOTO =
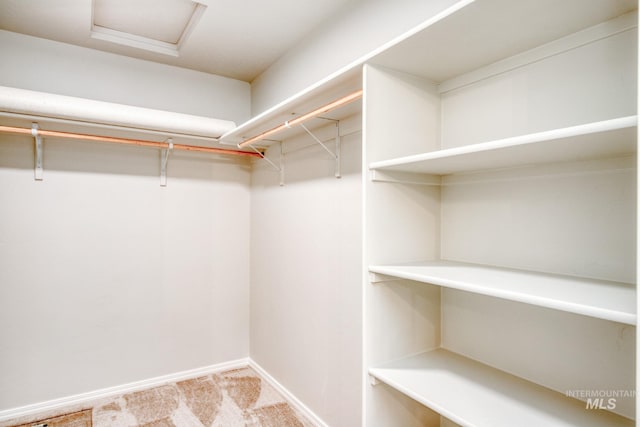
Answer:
(17, 152)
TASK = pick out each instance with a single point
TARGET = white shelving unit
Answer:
(472, 394)
(607, 300)
(509, 279)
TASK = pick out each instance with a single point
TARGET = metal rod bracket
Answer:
(268, 160)
(338, 152)
(336, 155)
(281, 164)
(37, 174)
(164, 160)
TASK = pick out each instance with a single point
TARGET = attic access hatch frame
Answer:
(288, 124)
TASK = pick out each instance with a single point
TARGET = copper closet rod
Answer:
(126, 141)
(324, 109)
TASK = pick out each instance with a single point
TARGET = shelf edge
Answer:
(521, 140)
(540, 301)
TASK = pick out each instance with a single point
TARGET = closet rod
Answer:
(127, 141)
(289, 123)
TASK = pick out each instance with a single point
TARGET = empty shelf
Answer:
(472, 394)
(609, 138)
(324, 91)
(596, 298)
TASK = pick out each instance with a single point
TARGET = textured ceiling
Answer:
(233, 38)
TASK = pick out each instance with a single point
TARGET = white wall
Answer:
(347, 37)
(106, 277)
(537, 97)
(306, 278)
(48, 66)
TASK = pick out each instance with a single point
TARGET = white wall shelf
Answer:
(608, 138)
(82, 111)
(596, 298)
(323, 92)
(473, 394)
(488, 36)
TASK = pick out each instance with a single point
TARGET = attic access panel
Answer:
(157, 26)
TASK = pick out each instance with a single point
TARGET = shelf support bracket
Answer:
(38, 152)
(164, 160)
(335, 155)
(281, 164)
(338, 152)
(410, 178)
(268, 160)
(373, 380)
(376, 278)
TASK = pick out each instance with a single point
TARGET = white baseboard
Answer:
(293, 400)
(79, 400)
(83, 400)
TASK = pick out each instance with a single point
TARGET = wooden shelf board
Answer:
(608, 138)
(601, 299)
(473, 394)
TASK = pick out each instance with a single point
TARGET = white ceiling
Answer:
(233, 38)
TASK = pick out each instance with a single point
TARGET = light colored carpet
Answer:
(238, 397)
